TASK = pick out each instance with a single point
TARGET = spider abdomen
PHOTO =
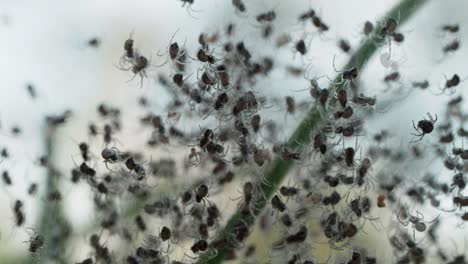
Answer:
(426, 126)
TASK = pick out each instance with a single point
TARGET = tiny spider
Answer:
(36, 241)
(424, 127)
(417, 221)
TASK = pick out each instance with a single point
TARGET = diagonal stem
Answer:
(301, 136)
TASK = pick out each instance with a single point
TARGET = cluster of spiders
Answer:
(164, 192)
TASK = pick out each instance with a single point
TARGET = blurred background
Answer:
(45, 44)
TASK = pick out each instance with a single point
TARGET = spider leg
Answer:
(433, 220)
(162, 64)
(415, 126)
(405, 223)
(168, 247)
(225, 153)
(190, 10)
(106, 162)
(132, 77)
(122, 68)
(142, 75)
(334, 67)
(190, 256)
(160, 54)
(179, 61)
(418, 139)
(429, 115)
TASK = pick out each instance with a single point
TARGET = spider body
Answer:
(424, 127)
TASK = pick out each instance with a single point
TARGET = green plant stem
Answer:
(52, 225)
(302, 135)
(137, 205)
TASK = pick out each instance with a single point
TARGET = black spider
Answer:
(424, 127)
